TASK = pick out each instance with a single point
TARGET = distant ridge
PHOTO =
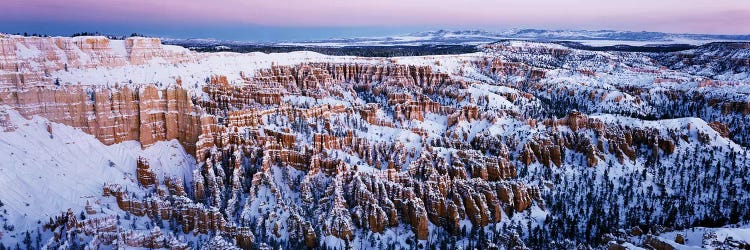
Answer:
(476, 37)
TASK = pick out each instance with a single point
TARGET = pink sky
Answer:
(693, 16)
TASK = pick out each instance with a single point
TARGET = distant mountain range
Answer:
(467, 37)
(475, 37)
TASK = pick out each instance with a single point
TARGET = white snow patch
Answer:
(45, 173)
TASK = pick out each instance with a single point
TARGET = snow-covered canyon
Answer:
(135, 144)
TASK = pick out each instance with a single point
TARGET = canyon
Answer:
(521, 145)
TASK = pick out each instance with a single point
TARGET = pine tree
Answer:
(27, 240)
(38, 239)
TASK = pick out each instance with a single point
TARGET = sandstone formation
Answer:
(145, 114)
(28, 61)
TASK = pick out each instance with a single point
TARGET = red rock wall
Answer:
(114, 116)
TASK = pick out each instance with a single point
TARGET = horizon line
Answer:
(165, 35)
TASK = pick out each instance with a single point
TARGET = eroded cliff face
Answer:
(145, 114)
(113, 114)
(30, 61)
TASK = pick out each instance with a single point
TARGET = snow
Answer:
(118, 46)
(194, 74)
(694, 237)
(476, 37)
(175, 48)
(51, 172)
(695, 126)
(495, 101)
(298, 100)
(450, 64)
(27, 53)
(688, 41)
(434, 124)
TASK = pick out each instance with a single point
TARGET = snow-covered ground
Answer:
(705, 237)
(43, 173)
(193, 74)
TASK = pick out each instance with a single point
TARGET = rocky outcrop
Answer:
(467, 113)
(623, 142)
(721, 128)
(679, 239)
(500, 68)
(5, 122)
(145, 114)
(104, 231)
(656, 243)
(192, 216)
(143, 173)
(28, 61)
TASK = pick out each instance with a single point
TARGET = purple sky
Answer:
(688, 16)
